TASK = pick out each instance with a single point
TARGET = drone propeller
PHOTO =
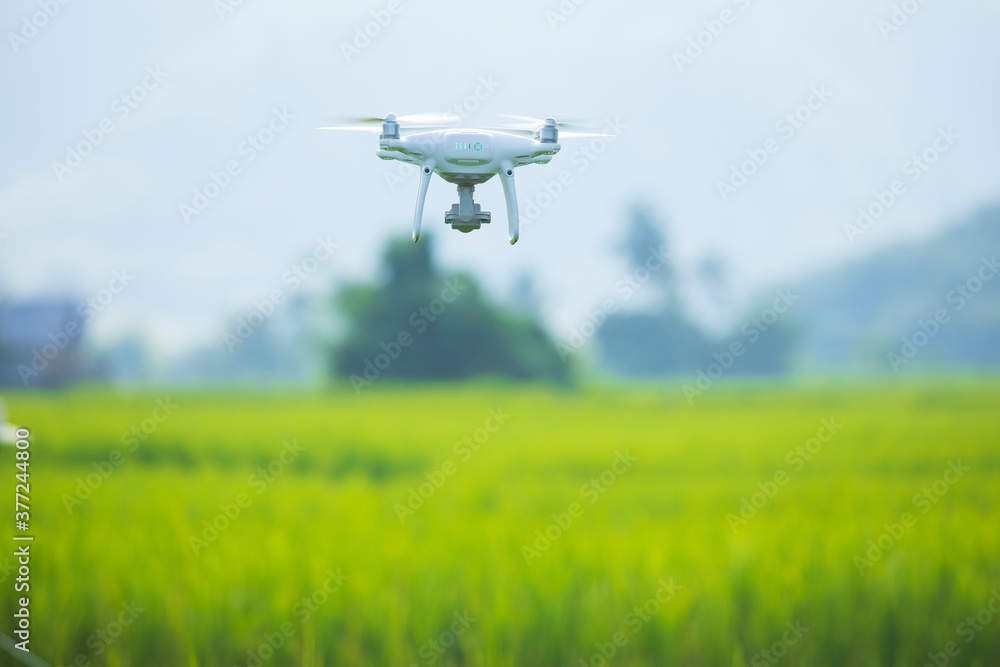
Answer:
(567, 123)
(526, 126)
(583, 135)
(428, 118)
(569, 128)
(423, 122)
(353, 128)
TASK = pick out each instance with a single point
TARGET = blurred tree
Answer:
(422, 325)
(652, 344)
(646, 238)
(661, 340)
(713, 274)
(524, 295)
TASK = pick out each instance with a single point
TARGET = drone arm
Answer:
(535, 159)
(507, 174)
(387, 154)
(426, 170)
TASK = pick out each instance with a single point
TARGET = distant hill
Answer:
(922, 307)
(852, 318)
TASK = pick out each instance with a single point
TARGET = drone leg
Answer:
(507, 174)
(425, 180)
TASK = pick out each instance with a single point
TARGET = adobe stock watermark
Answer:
(924, 500)
(591, 491)
(925, 330)
(464, 449)
(901, 14)
(420, 320)
(779, 649)
(292, 279)
(88, 310)
(751, 331)
(967, 630)
(796, 458)
(370, 31)
(432, 650)
(6, 569)
(34, 23)
(248, 150)
(786, 127)
(634, 622)
(459, 112)
(913, 170)
(121, 108)
(259, 481)
(225, 8)
(712, 30)
(86, 486)
(625, 289)
(310, 604)
(302, 611)
(100, 641)
(562, 13)
(583, 158)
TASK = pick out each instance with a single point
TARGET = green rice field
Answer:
(495, 525)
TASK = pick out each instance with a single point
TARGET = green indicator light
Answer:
(478, 146)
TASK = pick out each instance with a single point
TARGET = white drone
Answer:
(467, 158)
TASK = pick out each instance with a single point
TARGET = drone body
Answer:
(467, 158)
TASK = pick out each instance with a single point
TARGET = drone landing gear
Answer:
(466, 215)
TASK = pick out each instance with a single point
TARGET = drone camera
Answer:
(479, 218)
(466, 215)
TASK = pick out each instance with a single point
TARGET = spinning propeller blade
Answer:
(431, 118)
(570, 128)
(583, 135)
(355, 128)
(422, 122)
(567, 122)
